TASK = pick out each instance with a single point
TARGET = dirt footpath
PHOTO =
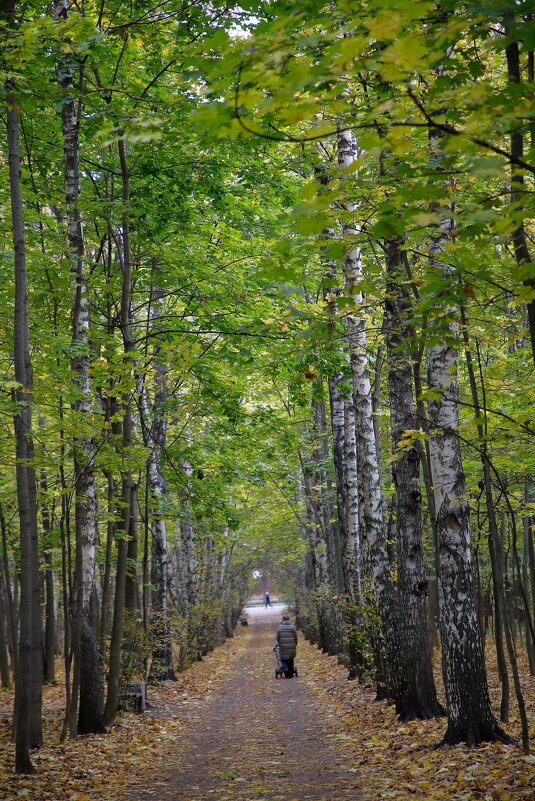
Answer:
(257, 738)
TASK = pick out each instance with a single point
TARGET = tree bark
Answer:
(470, 717)
(26, 490)
(415, 692)
(127, 510)
(371, 521)
(155, 437)
(86, 705)
(50, 613)
(519, 236)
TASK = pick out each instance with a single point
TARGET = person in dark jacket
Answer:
(287, 642)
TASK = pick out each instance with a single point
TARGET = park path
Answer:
(257, 738)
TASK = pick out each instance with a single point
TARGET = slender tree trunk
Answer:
(26, 491)
(86, 705)
(162, 658)
(351, 555)
(131, 600)
(529, 574)
(319, 522)
(339, 530)
(371, 522)
(5, 678)
(520, 239)
(127, 510)
(415, 693)
(494, 540)
(11, 606)
(50, 613)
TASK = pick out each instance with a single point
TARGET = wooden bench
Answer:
(135, 696)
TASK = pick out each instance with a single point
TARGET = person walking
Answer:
(267, 600)
(287, 642)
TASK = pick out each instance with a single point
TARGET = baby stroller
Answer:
(281, 667)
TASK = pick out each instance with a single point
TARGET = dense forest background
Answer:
(268, 304)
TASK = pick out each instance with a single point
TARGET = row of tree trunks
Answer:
(403, 644)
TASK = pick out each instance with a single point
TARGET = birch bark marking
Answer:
(470, 717)
(371, 521)
(86, 705)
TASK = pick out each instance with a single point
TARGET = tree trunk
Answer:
(5, 678)
(162, 658)
(470, 717)
(529, 573)
(127, 510)
(520, 238)
(50, 613)
(26, 490)
(11, 614)
(320, 513)
(371, 522)
(86, 706)
(351, 556)
(494, 540)
(415, 692)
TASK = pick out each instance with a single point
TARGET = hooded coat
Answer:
(287, 639)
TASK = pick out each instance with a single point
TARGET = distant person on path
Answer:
(287, 642)
(267, 600)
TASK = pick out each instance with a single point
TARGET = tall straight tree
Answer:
(516, 32)
(155, 438)
(371, 521)
(127, 510)
(470, 717)
(415, 694)
(25, 473)
(86, 702)
(317, 518)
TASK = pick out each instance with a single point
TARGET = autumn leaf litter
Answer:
(392, 761)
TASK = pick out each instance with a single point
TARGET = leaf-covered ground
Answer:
(229, 729)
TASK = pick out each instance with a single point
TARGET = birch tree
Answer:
(155, 437)
(86, 702)
(470, 717)
(372, 528)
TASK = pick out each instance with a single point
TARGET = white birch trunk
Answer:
(470, 717)
(86, 671)
(188, 541)
(155, 439)
(351, 547)
(338, 426)
(322, 529)
(371, 522)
